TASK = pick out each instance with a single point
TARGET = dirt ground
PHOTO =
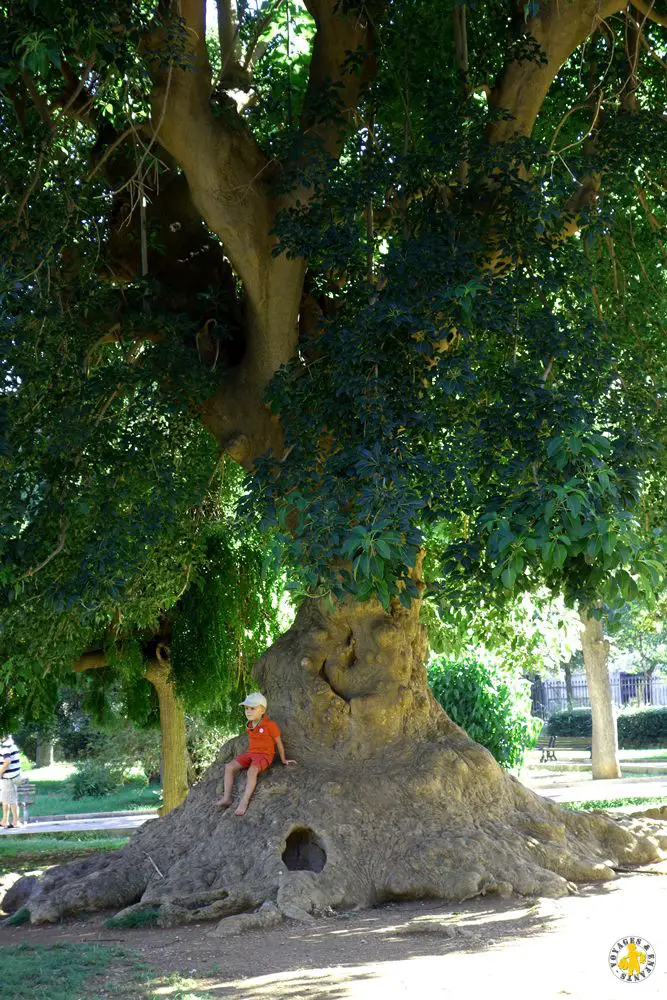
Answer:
(520, 948)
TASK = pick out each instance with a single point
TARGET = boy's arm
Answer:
(281, 751)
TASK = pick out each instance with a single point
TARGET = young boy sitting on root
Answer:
(263, 738)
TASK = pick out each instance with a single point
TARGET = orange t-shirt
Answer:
(262, 737)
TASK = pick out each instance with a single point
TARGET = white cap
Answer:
(254, 700)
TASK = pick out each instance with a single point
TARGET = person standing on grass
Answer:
(10, 775)
(263, 740)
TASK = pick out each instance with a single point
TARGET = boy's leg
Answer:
(5, 803)
(251, 781)
(15, 815)
(231, 770)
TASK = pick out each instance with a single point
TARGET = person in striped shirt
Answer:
(10, 773)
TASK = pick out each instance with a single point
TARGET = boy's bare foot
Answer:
(240, 810)
(223, 803)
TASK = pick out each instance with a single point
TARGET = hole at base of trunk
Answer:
(304, 851)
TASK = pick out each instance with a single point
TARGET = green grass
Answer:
(62, 972)
(54, 795)
(139, 918)
(592, 804)
(25, 852)
(87, 971)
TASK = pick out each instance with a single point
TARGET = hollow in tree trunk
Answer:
(605, 737)
(389, 800)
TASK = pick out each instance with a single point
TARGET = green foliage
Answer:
(643, 727)
(592, 805)
(71, 728)
(638, 633)
(492, 706)
(139, 918)
(125, 751)
(93, 779)
(480, 386)
(205, 742)
(532, 632)
(229, 615)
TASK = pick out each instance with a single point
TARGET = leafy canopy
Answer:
(484, 373)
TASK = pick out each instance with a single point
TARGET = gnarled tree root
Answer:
(437, 819)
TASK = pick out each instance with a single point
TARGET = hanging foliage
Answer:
(230, 614)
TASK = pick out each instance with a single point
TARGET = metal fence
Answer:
(628, 690)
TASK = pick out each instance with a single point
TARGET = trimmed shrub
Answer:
(93, 780)
(643, 727)
(576, 722)
(492, 706)
(638, 727)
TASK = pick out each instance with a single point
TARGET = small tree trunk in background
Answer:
(173, 738)
(44, 752)
(605, 738)
(567, 670)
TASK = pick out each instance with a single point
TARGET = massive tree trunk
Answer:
(173, 738)
(605, 738)
(389, 800)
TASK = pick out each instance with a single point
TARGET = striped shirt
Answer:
(10, 751)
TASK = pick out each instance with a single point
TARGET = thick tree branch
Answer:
(334, 77)
(647, 10)
(230, 43)
(224, 166)
(95, 660)
(60, 545)
(558, 30)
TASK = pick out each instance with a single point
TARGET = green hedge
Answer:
(490, 704)
(646, 727)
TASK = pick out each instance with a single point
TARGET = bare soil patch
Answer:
(547, 947)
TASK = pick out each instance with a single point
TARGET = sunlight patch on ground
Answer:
(57, 772)
(449, 977)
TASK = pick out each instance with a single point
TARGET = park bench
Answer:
(548, 744)
(25, 792)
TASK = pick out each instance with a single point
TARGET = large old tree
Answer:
(394, 257)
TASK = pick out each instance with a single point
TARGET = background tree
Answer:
(118, 608)
(378, 259)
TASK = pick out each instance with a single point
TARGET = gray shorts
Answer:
(8, 788)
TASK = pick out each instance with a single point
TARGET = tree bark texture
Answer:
(605, 737)
(567, 670)
(173, 738)
(389, 800)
